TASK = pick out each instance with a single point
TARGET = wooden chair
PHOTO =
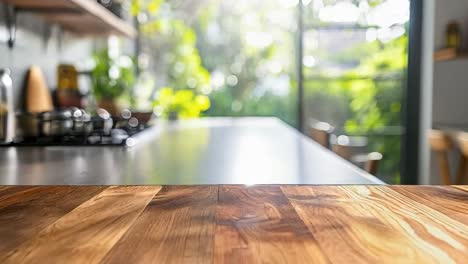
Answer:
(462, 139)
(441, 144)
(371, 161)
(343, 147)
(320, 132)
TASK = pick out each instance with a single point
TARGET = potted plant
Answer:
(112, 79)
(173, 105)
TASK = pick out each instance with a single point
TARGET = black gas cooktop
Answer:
(117, 137)
(76, 127)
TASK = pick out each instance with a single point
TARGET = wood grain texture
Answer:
(2, 188)
(258, 224)
(88, 232)
(234, 224)
(462, 175)
(441, 143)
(28, 210)
(461, 187)
(377, 224)
(449, 201)
(177, 227)
(12, 194)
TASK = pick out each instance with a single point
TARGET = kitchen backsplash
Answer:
(33, 48)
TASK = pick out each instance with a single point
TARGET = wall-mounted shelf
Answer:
(82, 17)
(449, 54)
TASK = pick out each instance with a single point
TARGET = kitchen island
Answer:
(196, 152)
(234, 224)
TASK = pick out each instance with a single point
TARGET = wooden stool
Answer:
(343, 148)
(462, 139)
(371, 161)
(441, 144)
(320, 132)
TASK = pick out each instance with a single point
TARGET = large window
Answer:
(355, 59)
(243, 54)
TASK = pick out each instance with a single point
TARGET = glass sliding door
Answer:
(240, 53)
(343, 62)
(354, 65)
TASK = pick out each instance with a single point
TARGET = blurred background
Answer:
(338, 63)
(244, 56)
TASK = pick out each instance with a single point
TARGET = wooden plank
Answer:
(87, 11)
(461, 187)
(259, 225)
(19, 192)
(376, 224)
(176, 227)
(445, 54)
(30, 209)
(87, 233)
(103, 15)
(3, 188)
(449, 54)
(41, 4)
(449, 201)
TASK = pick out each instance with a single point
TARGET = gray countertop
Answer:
(204, 151)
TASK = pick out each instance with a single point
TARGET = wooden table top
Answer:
(263, 223)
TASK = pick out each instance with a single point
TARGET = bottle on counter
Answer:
(67, 93)
(453, 35)
(7, 115)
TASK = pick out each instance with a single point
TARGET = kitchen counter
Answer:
(204, 151)
(234, 224)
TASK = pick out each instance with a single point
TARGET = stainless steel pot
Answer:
(56, 123)
(82, 124)
(28, 125)
(102, 121)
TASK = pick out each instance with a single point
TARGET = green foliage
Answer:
(184, 103)
(235, 53)
(283, 107)
(151, 6)
(363, 101)
(172, 45)
(184, 68)
(356, 54)
(367, 99)
(112, 77)
(376, 102)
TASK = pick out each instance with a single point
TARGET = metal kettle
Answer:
(7, 115)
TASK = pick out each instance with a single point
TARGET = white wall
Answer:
(450, 103)
(447, 10)
(32, 48)
(450, 78)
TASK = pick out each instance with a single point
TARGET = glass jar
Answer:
(7, 117)
(453, 35)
